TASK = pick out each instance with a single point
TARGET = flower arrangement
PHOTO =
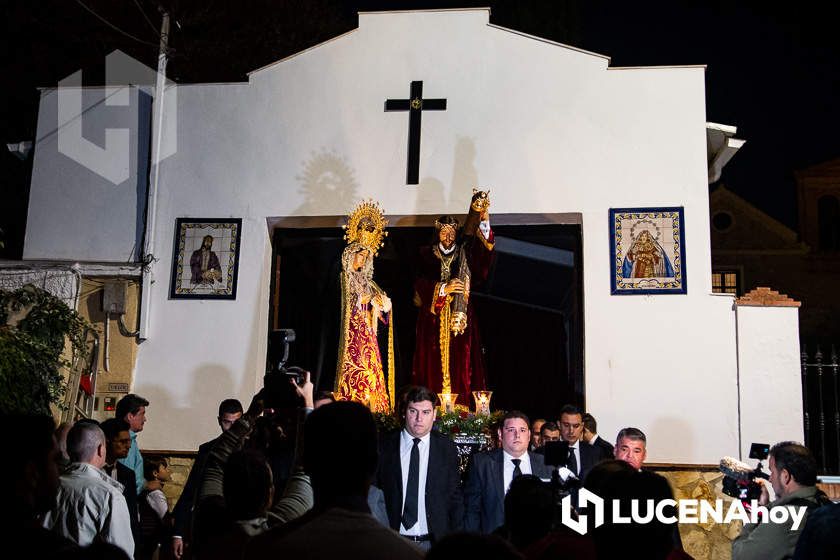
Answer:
(462, 422)
(386, 422)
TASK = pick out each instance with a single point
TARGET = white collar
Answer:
(408, 439)
(525, 457)
(446, 251)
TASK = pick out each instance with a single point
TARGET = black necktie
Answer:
(573, 466)
(517, 472)
(412, 489)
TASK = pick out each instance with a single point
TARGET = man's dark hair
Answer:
(570, 409)
(529, 510)
(400, 400)
(230, 406)
(340, 433)
(419, 394)
(619, 485)
(604, 475)
(130, 403)
(113, 426)
(796, 459)
(589, 423)
(633, 434)
(247, 483)
(152, 463)
(549, 427)
(514, 414)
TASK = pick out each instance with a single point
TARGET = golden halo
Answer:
(366, 225)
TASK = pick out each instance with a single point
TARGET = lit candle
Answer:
(482, 402)
(447, 401)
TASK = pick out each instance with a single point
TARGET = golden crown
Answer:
(453, 224)
(366, 225)
(480, 200)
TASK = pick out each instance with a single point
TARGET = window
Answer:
(722, 221)
(726, 282)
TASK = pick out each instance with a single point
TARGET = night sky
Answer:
(774, 72)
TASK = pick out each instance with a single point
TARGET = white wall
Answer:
(75, 213)
(549, 129)
(770, 378)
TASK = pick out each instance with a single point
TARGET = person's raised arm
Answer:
(297, 496)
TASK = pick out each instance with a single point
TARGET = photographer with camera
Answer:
(235, 501)
(793, 476)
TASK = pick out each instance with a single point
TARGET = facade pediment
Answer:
(739, 226)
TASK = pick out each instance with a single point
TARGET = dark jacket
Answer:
(605, 449)
(589, 457)
(126, 477)
(444, 501)
(484, 496)
(183, 510)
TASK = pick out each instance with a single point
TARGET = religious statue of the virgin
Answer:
(360, 376)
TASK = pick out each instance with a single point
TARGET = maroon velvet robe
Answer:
(466, 363)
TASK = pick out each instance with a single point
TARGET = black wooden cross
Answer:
(415, 107)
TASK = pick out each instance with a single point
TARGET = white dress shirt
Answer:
(524, 466)
(564, 471)
(111, 470)
(406, 443)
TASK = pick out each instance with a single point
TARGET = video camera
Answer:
(277, 393)
(739, 481)
(557, 455)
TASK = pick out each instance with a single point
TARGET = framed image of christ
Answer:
(647, 251)
(205, 260)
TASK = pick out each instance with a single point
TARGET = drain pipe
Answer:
(148, 256)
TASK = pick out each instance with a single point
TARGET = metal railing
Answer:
(821, 407)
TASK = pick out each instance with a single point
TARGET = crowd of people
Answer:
(321, 482)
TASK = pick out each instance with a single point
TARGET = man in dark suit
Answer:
(491, 473)
(229, 412)
(582, 457)
(418, 473)
(590, 436)
(118, 442)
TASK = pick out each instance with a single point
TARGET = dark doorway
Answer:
(530, 311)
